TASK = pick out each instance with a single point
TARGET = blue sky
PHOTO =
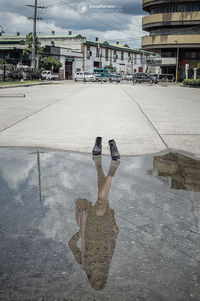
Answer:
(115, 20)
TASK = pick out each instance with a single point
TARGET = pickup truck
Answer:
(106, 75)
(46, 74)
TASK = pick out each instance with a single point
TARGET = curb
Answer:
(29, 85)
(189, 86)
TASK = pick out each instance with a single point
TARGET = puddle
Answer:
(131, 234)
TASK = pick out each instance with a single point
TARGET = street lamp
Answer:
(177, 58)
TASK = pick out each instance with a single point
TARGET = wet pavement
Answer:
(59, 243)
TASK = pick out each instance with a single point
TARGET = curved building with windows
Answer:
(174, 32)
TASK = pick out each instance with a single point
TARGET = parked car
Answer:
(141, 77)
(106, 75)
(128, 76)
(101, 74)
(46, 74)
(114, 77)
(84, 76)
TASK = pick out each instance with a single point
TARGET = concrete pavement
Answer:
(143, 119)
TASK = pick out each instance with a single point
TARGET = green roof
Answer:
(11, 38)
(8, 46)
(119, 47)
(12, 42)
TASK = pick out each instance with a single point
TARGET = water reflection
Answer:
(183, 171)
(98, 230)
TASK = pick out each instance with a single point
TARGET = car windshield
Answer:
(87, 73)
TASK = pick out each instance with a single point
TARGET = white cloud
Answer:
(119, 26)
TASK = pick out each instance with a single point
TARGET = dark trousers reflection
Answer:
(97, 230)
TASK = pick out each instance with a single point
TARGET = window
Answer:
(168, 53)
(97, 52)
(122, 56)
(106, 54)
(115, 55)
(88, 52)
(135, 60)
(175, 7)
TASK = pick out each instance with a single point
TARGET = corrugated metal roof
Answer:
(18, 38)
(115, 46)
(8, 47)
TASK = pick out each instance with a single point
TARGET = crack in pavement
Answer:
(153, 126)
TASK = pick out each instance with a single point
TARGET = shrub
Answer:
(192, 82)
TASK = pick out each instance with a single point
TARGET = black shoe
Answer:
(97, 147)
(113, 150)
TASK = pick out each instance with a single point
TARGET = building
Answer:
(125, 59)
(174, 32)
(11, 49)
(77, 54)
(67, 48)
(71, 60)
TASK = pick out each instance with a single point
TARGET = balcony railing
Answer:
(150, 42)
(149, 3)
(160, 20)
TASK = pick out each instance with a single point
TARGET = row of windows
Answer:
(172, 8)
(115, 54)
(182, 54)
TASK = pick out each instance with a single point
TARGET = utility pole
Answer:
(35, 19)
(177, 61)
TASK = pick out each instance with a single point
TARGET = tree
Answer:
(2, 61)
(111, 68)
(49, 63)
(29, 45)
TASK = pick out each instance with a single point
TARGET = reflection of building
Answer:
(174, 28)
(183, 171)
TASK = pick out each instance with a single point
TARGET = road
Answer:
(142, 119)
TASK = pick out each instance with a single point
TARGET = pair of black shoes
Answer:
(113, 148)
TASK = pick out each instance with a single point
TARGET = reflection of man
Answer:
(97, 230)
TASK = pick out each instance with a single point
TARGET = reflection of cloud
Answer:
(14, 168)
(65, 178)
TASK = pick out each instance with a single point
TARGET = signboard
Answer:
(153, 62)
(69, 59)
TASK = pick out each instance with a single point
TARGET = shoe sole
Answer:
(96, 153)
(115, 158)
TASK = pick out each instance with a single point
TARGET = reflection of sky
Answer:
(155, 222)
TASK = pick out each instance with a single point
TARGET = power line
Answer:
(91, 17)
(35, 18)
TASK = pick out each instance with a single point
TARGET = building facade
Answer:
(77, 54)
(174, 33)
(120, 56)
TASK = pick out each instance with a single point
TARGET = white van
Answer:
(84, 76)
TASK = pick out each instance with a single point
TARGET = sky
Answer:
(109, 20)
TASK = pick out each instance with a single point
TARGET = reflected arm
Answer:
(74, 248)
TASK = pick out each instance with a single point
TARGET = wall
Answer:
(125, 65)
